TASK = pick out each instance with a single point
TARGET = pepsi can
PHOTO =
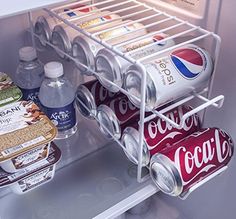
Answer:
(185, 70)
(113, 67)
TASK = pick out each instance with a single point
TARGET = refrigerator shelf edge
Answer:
(105, 181)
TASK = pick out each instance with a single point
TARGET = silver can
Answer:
(44, 24)
(115, 115)
(184, 70)
(85, 49)
(43, 28)
(63, 35)
(91, 94)
(113, 67)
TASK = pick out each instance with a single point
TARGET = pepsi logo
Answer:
(158, 38)
(189, 62)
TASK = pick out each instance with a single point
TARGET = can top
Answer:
(130, 140)
(41, 28)
(84, 95)
(132, 84)
(107, 117)
(165, 175)
(82, 52)
(108, 66)
(61, 40)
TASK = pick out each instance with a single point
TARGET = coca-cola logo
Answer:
(98, 91)
(204, 157)
(122, 105)
(161, 127)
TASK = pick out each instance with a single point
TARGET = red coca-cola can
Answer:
(90, 95)
(116, 114)
(182, 167)
(158, 134)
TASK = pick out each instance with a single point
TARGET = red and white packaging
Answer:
(158, 134)
(92, 94)
(116, 114)
(180, 169)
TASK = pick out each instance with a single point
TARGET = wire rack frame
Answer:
(216, 102)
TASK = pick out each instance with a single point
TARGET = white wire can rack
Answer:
(155, 22)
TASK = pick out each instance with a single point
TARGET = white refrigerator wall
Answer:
(216, 199)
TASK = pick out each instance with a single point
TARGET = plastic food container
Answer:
(33, 176)
(9, 92)
(23, 127)
(31, 157)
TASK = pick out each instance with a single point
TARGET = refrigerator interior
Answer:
(94, 171)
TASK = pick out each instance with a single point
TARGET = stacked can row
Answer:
(27, 154)
(179, 159)
(170, 76)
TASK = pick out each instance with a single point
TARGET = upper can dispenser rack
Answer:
(138, 27)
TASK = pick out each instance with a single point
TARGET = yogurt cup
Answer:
(9, 92)
(23, 127)
(26, 159)
(33, 176)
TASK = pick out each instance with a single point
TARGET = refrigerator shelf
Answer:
(100, 185)
(157, 22)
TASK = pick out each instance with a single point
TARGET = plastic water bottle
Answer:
(29, 74)
(57, 97)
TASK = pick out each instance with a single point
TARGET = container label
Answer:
(30, 157)
(28, 170)
(17, 148)
(115, 33)
(8, 91)
(23, 125)
(95, 21)
(31, 94)
(64, 118)
(36, 179)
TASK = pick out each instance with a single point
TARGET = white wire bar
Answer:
(134, 8)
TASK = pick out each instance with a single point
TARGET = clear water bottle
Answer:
(57, 97)
(29, 74)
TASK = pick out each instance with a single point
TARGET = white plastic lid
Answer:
(27, 53)
(53, 69)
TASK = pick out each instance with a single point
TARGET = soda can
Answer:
(63, 35)
(85, 49)
(113, 67)
(115, 115)
(184, 166)
(91, 94)
(184, 70)
(158, 134)
(44, 24)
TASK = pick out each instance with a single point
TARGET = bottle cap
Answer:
(27, 53)
(53, 69)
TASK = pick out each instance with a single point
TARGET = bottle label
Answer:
(63, 117)
(31, 94)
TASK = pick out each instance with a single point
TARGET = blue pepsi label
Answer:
(64, 118)
(31, 94)
(70, 14)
